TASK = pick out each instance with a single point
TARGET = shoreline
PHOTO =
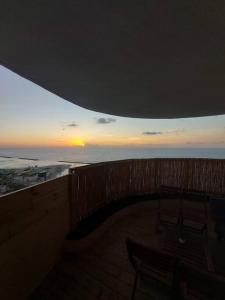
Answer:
(16, 178)
(38, 159)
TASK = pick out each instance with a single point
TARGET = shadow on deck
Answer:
(103, 270)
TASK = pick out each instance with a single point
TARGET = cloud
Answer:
(176, 131)
(205, 143)
(170, 131)
(68, 125)
(105, 120)
(196, 143)
(152, 132)
(73, 124)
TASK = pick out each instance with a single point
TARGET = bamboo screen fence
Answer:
(96, 185)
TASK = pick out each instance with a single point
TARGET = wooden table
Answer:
(194, 252)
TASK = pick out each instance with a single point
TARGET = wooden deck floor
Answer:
(103, 270)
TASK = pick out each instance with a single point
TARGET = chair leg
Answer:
(204, 232)
(181, 227)
(134, 286)
(158, 226)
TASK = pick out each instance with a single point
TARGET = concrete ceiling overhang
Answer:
(147, 59)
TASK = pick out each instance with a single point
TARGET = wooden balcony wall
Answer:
(94, 186)
(34, 222)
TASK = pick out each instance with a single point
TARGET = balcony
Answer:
(42, 257)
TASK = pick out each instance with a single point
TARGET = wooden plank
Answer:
(28, 255)
(23, 199)
(19, 212)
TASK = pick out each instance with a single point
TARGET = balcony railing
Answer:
(94, 186)
(35, 221)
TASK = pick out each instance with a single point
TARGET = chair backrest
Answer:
(170, 191)
(200, 284)
(139, 252)
(196, 196)
(194, 203)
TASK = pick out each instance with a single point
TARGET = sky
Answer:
(30, 116)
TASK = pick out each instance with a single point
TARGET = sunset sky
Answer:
(31, 116)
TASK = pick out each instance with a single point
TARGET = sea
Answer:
(77, 156)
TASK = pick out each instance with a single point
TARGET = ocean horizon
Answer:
(19, 157)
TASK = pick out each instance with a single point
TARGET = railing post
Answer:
(71, 194)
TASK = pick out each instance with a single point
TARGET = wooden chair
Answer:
(196, 284)
(169, 206)
(153, 266)
(194, 212)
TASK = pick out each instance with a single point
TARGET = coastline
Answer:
(13, 179)
(38, 159)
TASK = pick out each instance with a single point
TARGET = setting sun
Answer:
(78, 142)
